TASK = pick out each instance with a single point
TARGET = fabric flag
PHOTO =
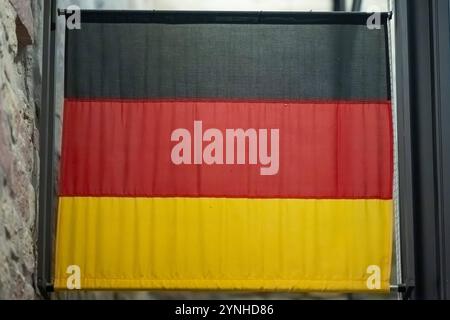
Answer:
(235, 156)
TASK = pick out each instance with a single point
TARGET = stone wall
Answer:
(20, 39)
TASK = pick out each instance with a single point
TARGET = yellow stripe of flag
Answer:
(218, 243)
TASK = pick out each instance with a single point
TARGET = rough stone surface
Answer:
(19, 82)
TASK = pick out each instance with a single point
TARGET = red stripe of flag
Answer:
(335, 150)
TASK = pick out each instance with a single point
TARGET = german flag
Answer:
(203, 154)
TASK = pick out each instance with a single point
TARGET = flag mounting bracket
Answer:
(62, 12)
(403, 289)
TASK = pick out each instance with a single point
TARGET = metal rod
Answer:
(46, 127)
(405, 128)
(395, 185)
(228, 17)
